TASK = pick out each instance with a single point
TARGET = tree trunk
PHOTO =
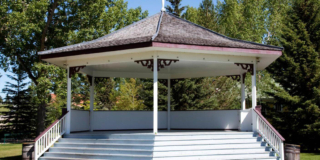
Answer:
(41, 117)
(43, 105)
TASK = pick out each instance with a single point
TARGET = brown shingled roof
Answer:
(162, 27)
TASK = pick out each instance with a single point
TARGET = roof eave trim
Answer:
(96, 50)
(158, 44)
(223, 49)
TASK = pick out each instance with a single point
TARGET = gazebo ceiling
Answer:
(181, 69)
(167, 37)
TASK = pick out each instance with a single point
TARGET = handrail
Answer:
(267, 122)
(49, 136)
(269, 134)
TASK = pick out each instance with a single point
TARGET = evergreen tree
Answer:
(1, 100)
(146, 94)
(21, 117)
(175, 7)
(298, 74)
(103, 94)
(7, 99)
(207, 15)
(191, 94)
(224, 93)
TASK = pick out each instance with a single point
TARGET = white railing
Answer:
(269, 134)
(49, 136)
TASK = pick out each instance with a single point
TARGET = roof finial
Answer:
(163, 9)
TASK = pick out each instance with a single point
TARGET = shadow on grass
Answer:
(12, 158)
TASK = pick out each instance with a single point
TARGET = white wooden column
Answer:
(155, 94)
(254, 99)
(68, 117)
(91, 103)
(169, 103)
(243, 92)
(254, 87)
(281, 150)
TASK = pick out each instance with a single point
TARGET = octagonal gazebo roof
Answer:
(168, 36)
(165, 28)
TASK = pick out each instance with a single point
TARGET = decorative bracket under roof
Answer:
(246, 66)
(74, 70)
(161, 63)
(146, 63)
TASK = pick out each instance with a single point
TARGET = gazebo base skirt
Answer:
(143, 120)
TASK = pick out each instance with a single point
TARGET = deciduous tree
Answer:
(28, 27)
(191, 14)
(128, 98)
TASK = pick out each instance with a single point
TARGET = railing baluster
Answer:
(40, 145)
(269, 134)
(52, 134)
(61, 125)
(45, 141)
(50, 139)
(49, 136)
(58, 128)
(42, 141)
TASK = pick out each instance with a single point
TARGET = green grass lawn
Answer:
(10, 151)
(2, 109)
(310, 156)
(13, 152)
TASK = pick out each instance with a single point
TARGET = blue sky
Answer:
(153, 6)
